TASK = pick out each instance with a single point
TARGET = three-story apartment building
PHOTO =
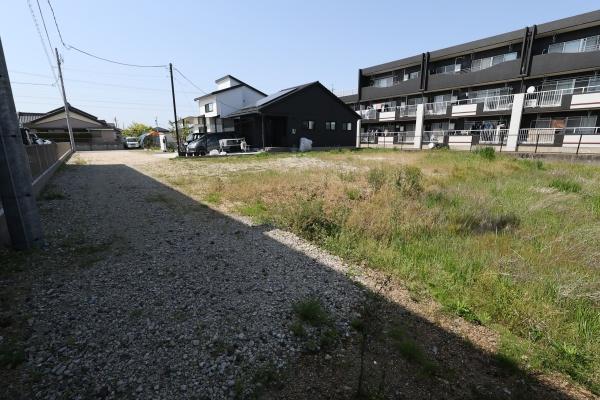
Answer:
(537, 85)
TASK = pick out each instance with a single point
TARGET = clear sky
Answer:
(269, 44)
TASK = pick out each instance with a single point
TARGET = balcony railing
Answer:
(368, 114)
(407, 111)
(435, 136)
(547, 135)
(437, 108)
(491, 103)
(404, 137)
(553, 98)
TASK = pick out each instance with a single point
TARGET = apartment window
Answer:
(209, 107)
(410, 75)
(347, 126)
(308, 125)
(591, 43)
(330, 126)
(487, 62)
(447, 69)
(383, 81)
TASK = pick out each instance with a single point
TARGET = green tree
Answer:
(136, 129)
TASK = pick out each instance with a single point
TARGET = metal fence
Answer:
(584, 140)
(43, 156)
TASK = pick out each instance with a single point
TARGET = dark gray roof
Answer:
(161, 130)
(269, 100)
(58, 110)
(284, 93)
(26, 117)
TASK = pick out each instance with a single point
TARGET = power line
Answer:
(56, 24)
(44, 23)
(70, 47)
(37, 27)
(32, 83)
(189, 81)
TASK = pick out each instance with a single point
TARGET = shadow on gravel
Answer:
(145, 293)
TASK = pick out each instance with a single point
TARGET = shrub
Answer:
(565, 185)
(376, 178)
(408, 180)
(487, 153)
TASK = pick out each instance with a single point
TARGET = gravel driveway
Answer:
(145, 293)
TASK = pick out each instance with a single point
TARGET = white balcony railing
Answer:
(491, 103)
(436, 108)
(553, 98)
(547, 135)
(368, 114)
(435, 136)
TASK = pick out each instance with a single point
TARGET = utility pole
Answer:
(174, 108)
(16, 191)
(64, 96)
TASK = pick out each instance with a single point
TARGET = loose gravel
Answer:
(148, 294)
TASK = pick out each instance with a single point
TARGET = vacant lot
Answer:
(510, 244)
(465, 276)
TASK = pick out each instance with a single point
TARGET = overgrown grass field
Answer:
(512, 244)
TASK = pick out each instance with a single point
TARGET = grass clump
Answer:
(376, 178)
(487, 153)
(565, 185)
(256, 210)
(311, 311)
(309, 220)
(408, 180)
(410, 350)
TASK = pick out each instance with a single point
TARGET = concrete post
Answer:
(358, 127)
(419, 126)
(515, 122)
(16, 191)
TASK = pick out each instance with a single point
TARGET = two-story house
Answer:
(231, 95)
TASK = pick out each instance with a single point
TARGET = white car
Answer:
(131, 143)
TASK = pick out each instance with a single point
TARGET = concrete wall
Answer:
(39, 182)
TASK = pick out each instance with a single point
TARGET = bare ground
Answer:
(143, 292)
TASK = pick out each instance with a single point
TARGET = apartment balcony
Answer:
(567, 137)
(401, 88)
(553, 63)
(368, 115)
(437, 108)
(570, 98)
(504, 71)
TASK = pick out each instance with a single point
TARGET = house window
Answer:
(209, 107)
(330, 126)
(483, 63)
(591, 43)
(309, 125)
(347, 126)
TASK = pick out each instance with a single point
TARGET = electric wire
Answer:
(71, 47)
(37, 27)
(44, 24)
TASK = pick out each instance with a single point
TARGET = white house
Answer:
(230, 96)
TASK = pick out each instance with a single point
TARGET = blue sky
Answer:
(269, 44)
